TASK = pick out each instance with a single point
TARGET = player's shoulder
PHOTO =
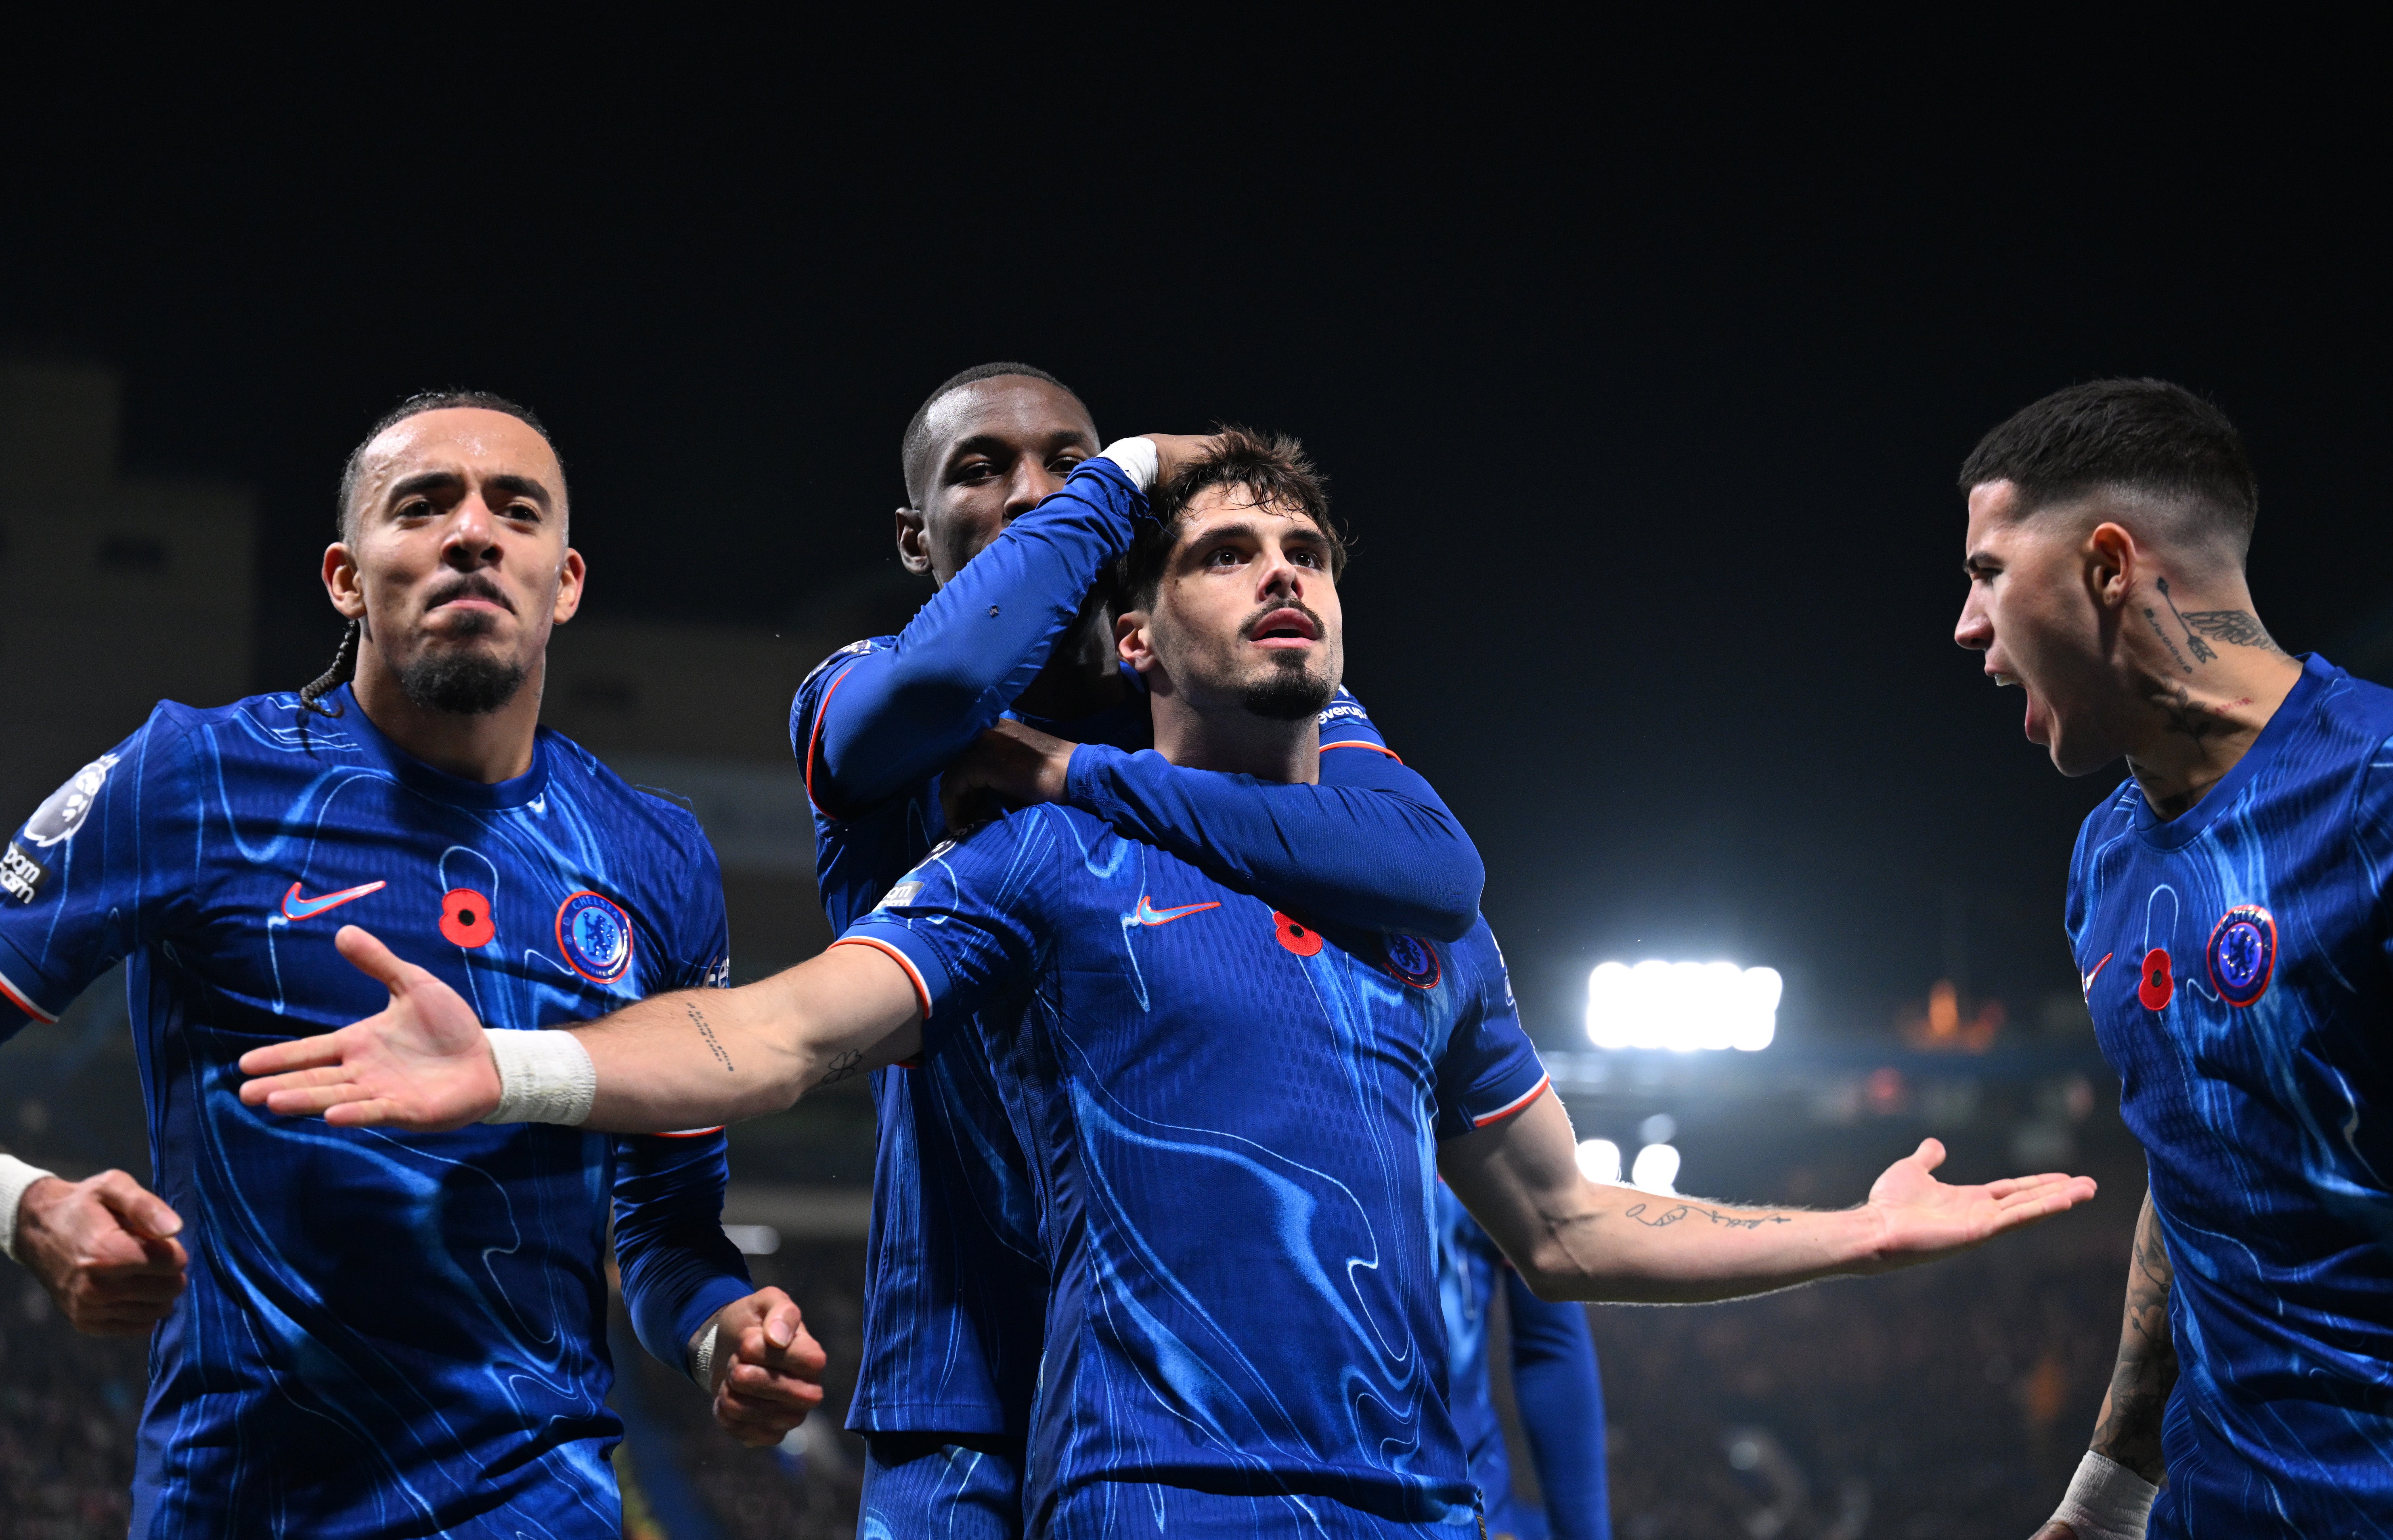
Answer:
(623, 807)
(824, 672)
(2357, 714)
(1345, 720)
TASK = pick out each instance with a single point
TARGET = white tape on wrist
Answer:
(1139, 459)
(2106, 1500)
(543, 1077)
(15, 1177)
(702, 1356)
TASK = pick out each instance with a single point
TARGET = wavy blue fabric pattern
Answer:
(1232, 1118)
(2236, 961)
(957, 1281)
(1555, 1388)
(385, 1334)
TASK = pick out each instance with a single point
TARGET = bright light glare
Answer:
(1599, 1161)
(1682, 1006)
(1657, 1167)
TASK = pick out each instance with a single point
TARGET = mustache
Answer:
(470, 585)
(1320, 632)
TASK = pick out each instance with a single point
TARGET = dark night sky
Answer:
(1641, 367)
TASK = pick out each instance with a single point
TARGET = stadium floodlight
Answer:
(1682, 1006)
(1657, 1169)
(1599, 1161)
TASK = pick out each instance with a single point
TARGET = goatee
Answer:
(462, 684)
(1288, 694)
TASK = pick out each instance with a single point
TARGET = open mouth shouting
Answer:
(1285, 626)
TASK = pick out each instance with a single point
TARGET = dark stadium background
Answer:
(1641, 364)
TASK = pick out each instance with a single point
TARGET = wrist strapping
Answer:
(702, 1356)
(2106, 1500)
(15, 1177)
(543, 1077)
(1139, 459)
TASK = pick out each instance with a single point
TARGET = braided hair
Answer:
(344, 659)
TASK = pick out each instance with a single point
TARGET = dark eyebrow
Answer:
(997, 447)
(449, 481)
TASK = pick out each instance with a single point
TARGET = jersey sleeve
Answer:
(1489, 1070)
(2371, 835)
(967, 923)
(1372, 846)
(874, 723)
(678, 1266)
(102, 867)
(1561, 1399)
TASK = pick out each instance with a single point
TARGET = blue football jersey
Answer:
(2237, 960)
(1232, 1120)
(385, 1334)
(956, 1272)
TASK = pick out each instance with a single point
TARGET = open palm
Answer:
(1923, 1219)
(421, 1063)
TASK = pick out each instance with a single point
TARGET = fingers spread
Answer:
(370, 957)
(300, 1053)
(310, 1100)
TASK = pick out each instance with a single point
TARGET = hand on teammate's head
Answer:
(105, 1250)
(767, 1368)
(1174, 450)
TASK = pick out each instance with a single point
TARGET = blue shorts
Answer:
(1103, 1510)
(940, 1486)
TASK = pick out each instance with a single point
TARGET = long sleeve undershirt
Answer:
(1556, 1387)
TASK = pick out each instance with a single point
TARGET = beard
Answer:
(461, 683)
(1289, 693)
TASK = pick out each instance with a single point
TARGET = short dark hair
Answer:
(916, 441)
(2143, 435)
(416, 406)
(1270, 468)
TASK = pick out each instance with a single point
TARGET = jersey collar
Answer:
(440, 785)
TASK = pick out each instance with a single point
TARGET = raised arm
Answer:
(1575, 1240)
(1561, 1399)
(1370, 847)
(886, 719)
(692, 1057)
(2113, 1492)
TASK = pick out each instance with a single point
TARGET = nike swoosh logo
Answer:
(296, 907)
(1149, 915)
(2097, 971)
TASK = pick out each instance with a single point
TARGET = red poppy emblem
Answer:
(465, 918)
(2157, 986)
(1297, 936)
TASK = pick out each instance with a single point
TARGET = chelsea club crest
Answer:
(2243, 954)
(1412, 961)
(596, 936)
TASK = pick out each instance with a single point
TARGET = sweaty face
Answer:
(995, 449)
(2032, 611)
(1246, 614)
(456, 555)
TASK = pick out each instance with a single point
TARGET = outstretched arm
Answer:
(2116, 1483)
(695, 1056)
(1573, 1240)
(1370, 847)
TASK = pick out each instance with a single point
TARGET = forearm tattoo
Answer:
(2129, 1427)
(714, 1044)
(1690, 1210)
